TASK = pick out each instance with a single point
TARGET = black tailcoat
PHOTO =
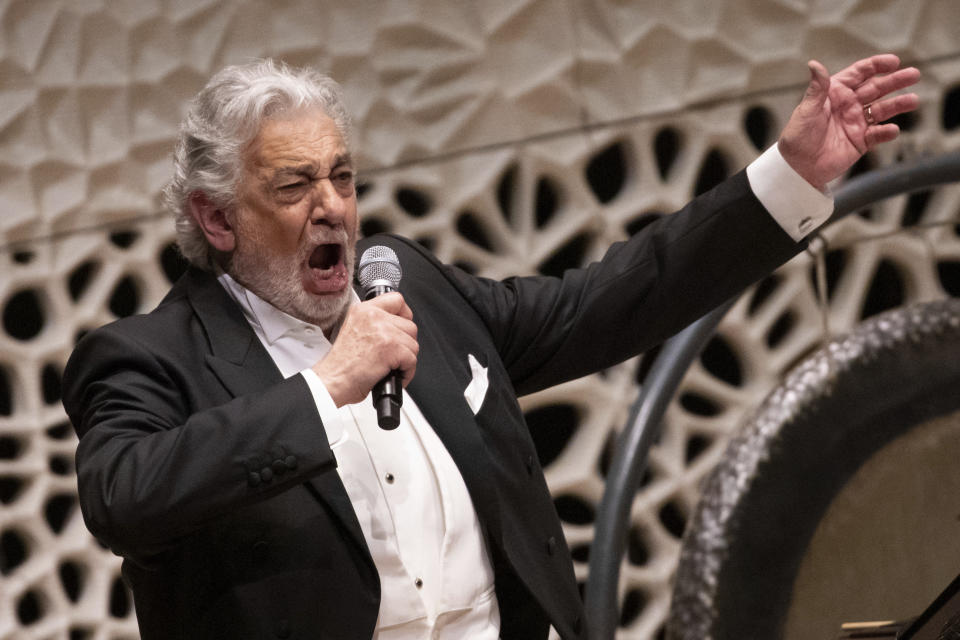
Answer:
(212, 475)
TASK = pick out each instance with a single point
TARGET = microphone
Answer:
(379, 272)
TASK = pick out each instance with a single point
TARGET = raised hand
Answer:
(840, 117)
(377, 336)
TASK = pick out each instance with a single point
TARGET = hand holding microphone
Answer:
(379, 273)
(376, 347)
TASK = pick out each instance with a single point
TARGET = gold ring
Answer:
(868, 114)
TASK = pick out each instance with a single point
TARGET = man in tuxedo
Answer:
(228, 447)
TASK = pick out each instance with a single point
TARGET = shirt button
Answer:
(389, 478)
(418, 582)
(805, 224)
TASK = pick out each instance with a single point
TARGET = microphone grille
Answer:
(379, 263)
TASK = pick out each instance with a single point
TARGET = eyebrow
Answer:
(311, 169)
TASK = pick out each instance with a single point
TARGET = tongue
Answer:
(325, 256)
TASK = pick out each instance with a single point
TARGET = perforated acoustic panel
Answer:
(509, 137)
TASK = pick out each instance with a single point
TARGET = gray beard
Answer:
(276, 279)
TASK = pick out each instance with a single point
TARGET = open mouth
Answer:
(326, 256)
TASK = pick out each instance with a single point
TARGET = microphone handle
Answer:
(388, 393)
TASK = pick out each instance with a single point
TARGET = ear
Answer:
(213, 221)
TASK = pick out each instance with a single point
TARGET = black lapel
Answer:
(243, 366)
(437, 389)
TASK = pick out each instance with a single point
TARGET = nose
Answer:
(330, 206)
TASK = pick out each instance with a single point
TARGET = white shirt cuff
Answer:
(794, 203)
(326, 407)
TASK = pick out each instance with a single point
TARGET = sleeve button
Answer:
(278, 467)
(253, 479)
(290, 462)
(551, 545)
(266, 474)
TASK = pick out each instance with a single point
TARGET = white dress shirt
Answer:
(436, 579)
(414, 510)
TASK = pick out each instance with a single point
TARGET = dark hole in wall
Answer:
(633, 605)
(363, 188)
(696, 446)
(762, 292)
(471, 229)
(834, 264)
(413, 201)
(886, 290)
(71, 579)
(10, 487)
(60, 431)
(637, 552)
(6, 394)
(699, 404)
(505, 192)
(79, 633)
(10, 447)
(721, 361)
(58, 509)
(781, 329)
(915, 208)
(949, 273)
(50, 383)
(569, 256)
(906, 121)
(546, 202)
(124, 239)
(61, 465)
(13, 551)
(574, 509)
(23, 315)
(951, 108)
(80, 278)
(673, 519)
(606, 172)
(758, 123)
(580, 553)
(125, 298)
(714, 170)
(642, 221)
(371, 226)
(666, 149)
(29, 608)
(426, 242)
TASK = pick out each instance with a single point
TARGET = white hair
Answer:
(222, 120)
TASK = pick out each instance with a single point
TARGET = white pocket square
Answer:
(476, 391)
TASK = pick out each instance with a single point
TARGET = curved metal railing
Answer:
(643, 427)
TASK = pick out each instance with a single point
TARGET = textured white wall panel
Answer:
(511, 137)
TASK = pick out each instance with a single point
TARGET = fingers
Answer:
(392, 303)
(890, 107)
(376, 337)
(862, 70)
(879, 86)
(880, 133)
